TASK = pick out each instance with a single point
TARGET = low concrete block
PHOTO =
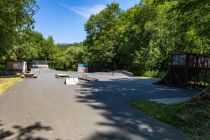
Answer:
(170, 100)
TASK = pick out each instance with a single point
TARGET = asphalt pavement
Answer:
(47, 109)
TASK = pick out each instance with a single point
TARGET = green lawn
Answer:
(7, 82)
(192, 117)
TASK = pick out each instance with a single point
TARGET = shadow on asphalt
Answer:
(23, 133)
(112, 98)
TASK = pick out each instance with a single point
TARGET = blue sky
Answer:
(65, 19)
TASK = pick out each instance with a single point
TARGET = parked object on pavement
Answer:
(71, 81)
(27, 75)
(127, 73)
(89, 79)
(30, 75)
(61, 75)
(82, 68)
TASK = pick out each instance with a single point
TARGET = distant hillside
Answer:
(65, 46)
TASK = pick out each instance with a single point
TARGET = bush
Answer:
(155, 74)
(2, 67)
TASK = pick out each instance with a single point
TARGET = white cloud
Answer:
(84, 11)
(88, 11)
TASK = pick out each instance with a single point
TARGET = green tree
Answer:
(100, 36)
(73, 56)
(15, 17)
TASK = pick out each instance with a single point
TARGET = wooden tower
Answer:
(187, 70)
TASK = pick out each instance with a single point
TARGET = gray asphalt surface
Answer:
(45, 108)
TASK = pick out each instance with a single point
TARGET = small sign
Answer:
(179, 60)
(71, 81)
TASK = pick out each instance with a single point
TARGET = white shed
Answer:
(19, 66)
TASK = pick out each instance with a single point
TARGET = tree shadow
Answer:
(24, 133)
(112, 99)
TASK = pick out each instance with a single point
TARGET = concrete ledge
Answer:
(61, 75)
(170, 100)
(89, 79)
(130, 74)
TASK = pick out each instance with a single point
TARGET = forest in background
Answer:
(139, 39)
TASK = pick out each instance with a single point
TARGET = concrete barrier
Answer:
(129, 74)
(89, 79)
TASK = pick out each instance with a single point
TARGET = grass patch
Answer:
(153, 74)
(192, 117)
(7, 82)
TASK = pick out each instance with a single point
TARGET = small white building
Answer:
(19, 66)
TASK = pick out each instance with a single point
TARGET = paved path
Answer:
(171, 100)
(45, 108)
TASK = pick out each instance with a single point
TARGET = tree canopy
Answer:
(138, 39)
(144, 37)
(16, 17)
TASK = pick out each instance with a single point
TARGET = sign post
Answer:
(71, 81)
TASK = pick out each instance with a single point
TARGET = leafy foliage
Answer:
(16, 17)
(65, 46)
(144, 37)
(140, 39)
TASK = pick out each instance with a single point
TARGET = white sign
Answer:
(71, 81)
